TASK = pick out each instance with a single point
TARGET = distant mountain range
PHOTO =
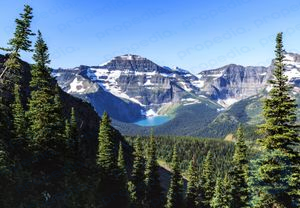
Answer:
(131, 87)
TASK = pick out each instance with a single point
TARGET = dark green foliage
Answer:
(276, 166)
(108, 189)
(137, 184)
(71, 134)
(122, 177)
(106, 158)
(175, 195)
(221, 150)
(19, 121)
(227, 191)
(207, 180)
(222, 194)
(192, 187)
(45, 122)
(240, 194)
(153, 192)
(20, 41)
(217, 201)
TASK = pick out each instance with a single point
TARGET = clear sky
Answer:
(192, 34)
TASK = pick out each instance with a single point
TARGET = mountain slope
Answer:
(87, 118)
(132, 86)
(211, 104)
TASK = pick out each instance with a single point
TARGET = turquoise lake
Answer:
(153, 121)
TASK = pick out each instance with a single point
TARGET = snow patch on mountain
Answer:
(228, 102)
(190, 101)
(76, 86)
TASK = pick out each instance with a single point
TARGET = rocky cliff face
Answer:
(232, 83)
(132, 86)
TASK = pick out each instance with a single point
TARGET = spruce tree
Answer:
(44, 120)
(153, 196)
(174, 196)
(72, 177)
(217, 200)
(239, 173)
(137, 183)
(71, 134)
(227, 191)
(106, 153)
(19, 131)
(44, 117)
(207, 180)
(192, 186)
(275, 169)
(20, 41)
(222, 194)
(107, 163)
(123, 179)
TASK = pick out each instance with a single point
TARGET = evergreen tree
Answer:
(174, 196)
(222, 194)
(153, 196)
(227, 191)
(137, 183)
(192, 187)
(122, 177)
(71, 134)
(20, 41)
(106, 153)
(107, 163)
(72, 177)
(46, 131)
(275, 168)
(67, 130)
(20, 142)
(217, 200)
(44, 117)
(207, 180)
(239, 173)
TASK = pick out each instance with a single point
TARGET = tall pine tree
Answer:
(217, 200)
(174, 196)
(107, 163)
(20, 41)
(191, 199)
(153, 197)
(19, 131)
(239, 173)
(46, 130)
(45, 121)
(222, 195)
(207, 180)
(137, 183)
(123, 178)
(275, 168)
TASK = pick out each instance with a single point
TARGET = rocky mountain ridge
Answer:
(130, 87)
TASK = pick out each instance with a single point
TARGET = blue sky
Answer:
(191, 34)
